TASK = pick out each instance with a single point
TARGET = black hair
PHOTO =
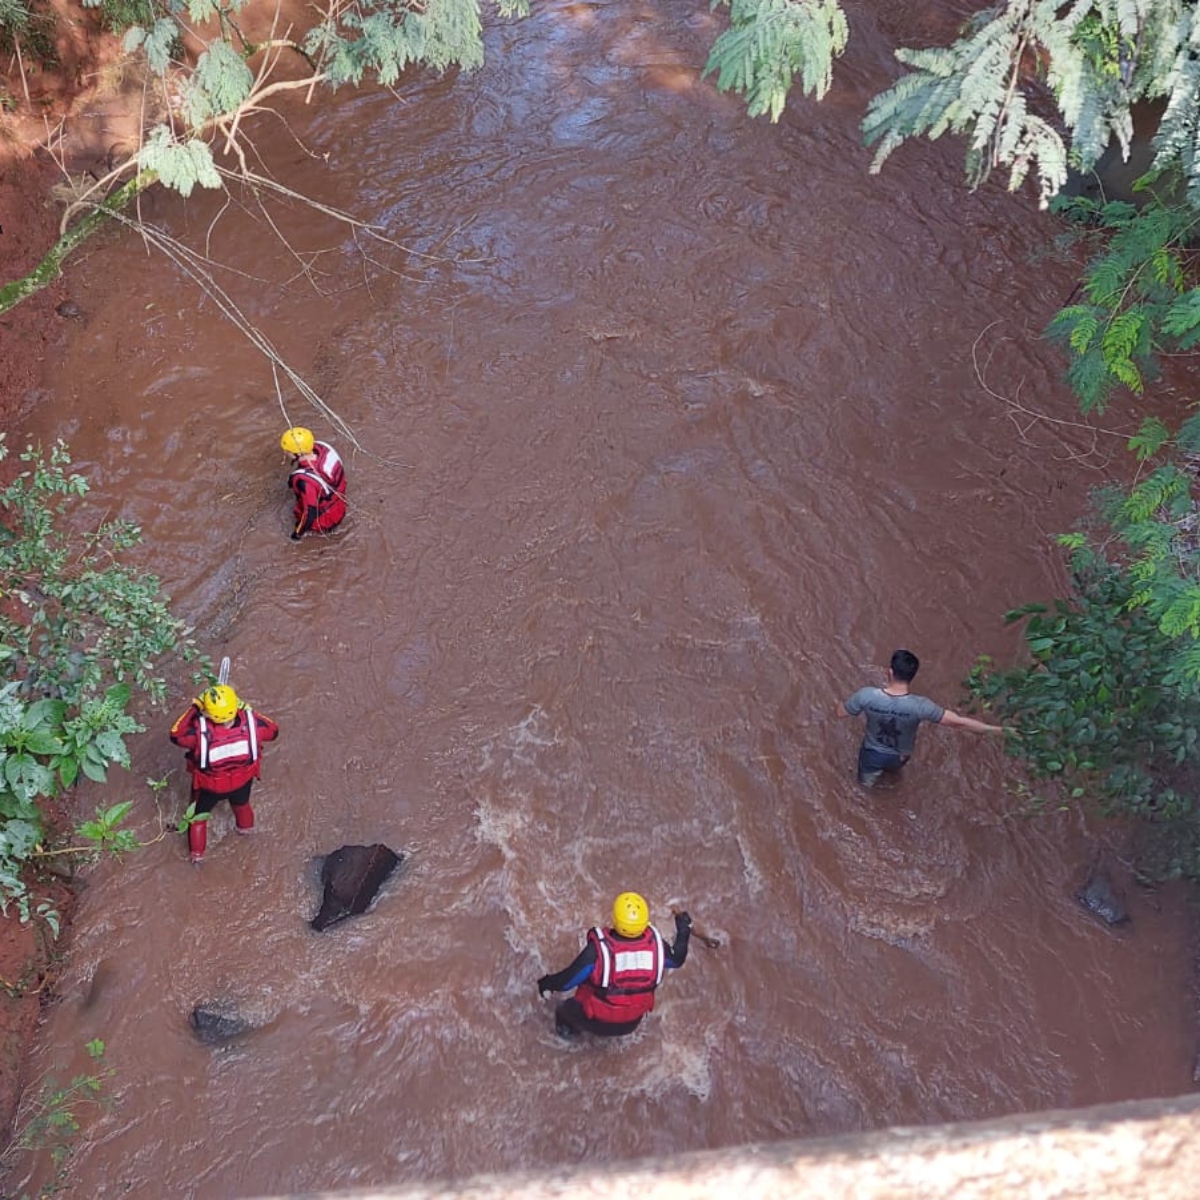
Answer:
(905, 664)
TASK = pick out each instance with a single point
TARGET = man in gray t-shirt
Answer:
(893, 716)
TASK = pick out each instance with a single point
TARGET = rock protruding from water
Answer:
(1098, 895)
(351, 876)
(219, 1022)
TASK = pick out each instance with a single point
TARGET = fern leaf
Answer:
(1182, 319)
(1182, 615)
(218, 85)
(965, 88)
(1090, 380)
(1149, 439)
(157, 42)
(1188, 436)
(178, 165)
(770, 42)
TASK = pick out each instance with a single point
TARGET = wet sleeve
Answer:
(857, 702)
(929, 711)
(572, 976)
(677, 951)
(183, 732)
(268, 731)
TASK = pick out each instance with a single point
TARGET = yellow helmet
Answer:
(220, 703)
(630, 915)
(298, 440)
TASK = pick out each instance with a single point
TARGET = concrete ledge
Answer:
(1147, 1148)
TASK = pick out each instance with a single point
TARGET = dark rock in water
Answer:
(351, 877)
(1099, 896)
(68, 308)
(219, 1022)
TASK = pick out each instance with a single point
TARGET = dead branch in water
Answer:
(1026, 419)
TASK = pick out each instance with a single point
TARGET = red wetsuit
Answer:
(320, 491)
(224, 761)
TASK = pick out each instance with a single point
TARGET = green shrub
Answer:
(1096, 714)
(80, 633)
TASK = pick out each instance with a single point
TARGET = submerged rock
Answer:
(219, 1022)
(1100, 897)
(351, 876)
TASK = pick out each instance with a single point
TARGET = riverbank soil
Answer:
(39, 103)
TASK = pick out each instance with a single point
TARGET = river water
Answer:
(669, 426)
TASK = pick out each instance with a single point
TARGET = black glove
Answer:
(682, 922)
(544, 986)
(296, 536)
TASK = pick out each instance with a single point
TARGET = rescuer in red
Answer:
(318, 480)
(223, 738)
(617, 971)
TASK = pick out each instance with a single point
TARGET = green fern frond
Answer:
(218, 85)
(1123, 336)
(1182, 615)
(1153, 493)
(1084, 333)
(1182, 319)
(1188, 437)
(1176, 138)
(381, 37)
(1150, 438)
(1090, 380)
(178, 165)
(770, 42)
(157, 42)
(1125, 371)
(1106, 282)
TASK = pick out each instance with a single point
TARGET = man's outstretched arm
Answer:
(958, 721)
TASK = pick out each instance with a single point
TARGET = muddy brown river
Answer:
(669, 426)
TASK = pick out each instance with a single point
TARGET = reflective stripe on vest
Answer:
(615, 960)
(329, 463)
(320, 480)
(236, 748)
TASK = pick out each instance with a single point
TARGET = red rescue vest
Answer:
(621, 986)
(226, 755)
(328, 474)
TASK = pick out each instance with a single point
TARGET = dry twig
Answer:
(1026, 419)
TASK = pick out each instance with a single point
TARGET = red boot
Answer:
(198, 839)
(243, 816)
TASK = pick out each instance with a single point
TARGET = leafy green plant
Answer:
(105, 832)
(1093, 714)
(26, 30)
(1138, 301)
(189, 818)
(51, 1121)
(15, 19)
(119, 15)
(56, 1111)
(78, 631)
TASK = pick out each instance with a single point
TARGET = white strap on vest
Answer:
(615, 958)
(212, 756)
(320, 480)
(331, 461)
(328, 462)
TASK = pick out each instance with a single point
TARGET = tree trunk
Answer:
(50, 268)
